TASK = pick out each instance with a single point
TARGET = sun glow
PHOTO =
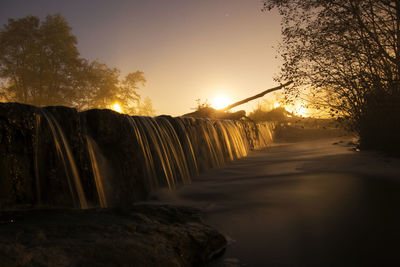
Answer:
(116, 107)
(299, 110)
(220, 101)
(302, 111)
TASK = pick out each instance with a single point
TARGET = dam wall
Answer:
(59, 157)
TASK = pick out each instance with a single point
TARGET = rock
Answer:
(17, 124)
(143, 235)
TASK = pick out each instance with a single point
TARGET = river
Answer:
(317, 203)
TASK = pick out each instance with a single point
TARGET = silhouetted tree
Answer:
(346, 55)
(127, 93)
(202, 104)
(40, 65)
(99, 86)
(39, 61)
(145, 108)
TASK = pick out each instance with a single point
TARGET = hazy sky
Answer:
(187, 49)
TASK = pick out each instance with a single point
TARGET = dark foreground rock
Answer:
(143, 235)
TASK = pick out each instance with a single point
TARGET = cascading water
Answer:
(36, 159)
(208, 145)
(146, 151)
(232, 139)
(176, 156)
(99, 171)
(65, 154)
(116, 158)
(217, 142)
(183, 136)
(264, 134)
(159, 143)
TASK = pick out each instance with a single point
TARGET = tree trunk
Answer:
(255, 96)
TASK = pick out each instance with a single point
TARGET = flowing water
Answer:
(99, 172)
(314, 203)
(171, 152)
(160, 144)
(36, 159)
(67, 158)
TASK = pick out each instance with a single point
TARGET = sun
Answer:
(116, 107)
(220, 101)
(301, 111)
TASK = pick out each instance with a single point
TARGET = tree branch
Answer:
(255, 96)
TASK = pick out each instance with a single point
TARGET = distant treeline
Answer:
(41, 65)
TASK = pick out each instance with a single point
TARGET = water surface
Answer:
(302, 204)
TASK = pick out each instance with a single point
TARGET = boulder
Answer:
(143, 235)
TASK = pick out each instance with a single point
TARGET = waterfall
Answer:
(159, 144)
(116, 159)
(65, 154)
(36, 159)
(100, 173)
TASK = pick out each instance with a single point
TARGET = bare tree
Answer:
(345, 54)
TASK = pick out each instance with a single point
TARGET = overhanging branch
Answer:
(255, 96)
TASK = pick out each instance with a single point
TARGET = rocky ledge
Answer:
(142, 235)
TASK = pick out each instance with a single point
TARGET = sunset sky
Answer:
(187, 49)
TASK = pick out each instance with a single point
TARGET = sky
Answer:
(187, 49)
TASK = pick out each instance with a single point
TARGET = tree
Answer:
(39, 61)
(145, 108)
(99, 86)
(40, 65)
(346, 55)
(128, 95)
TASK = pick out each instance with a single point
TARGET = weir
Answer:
(58, 157)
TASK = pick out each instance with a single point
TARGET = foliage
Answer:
(103, 86)
(39, 60)
(346, 54)
(128, 95)
(100, 85)
(40, 65)
(276, 114)
(145, 108)
(202, 104)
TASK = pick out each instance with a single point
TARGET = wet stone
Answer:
(143, 235)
